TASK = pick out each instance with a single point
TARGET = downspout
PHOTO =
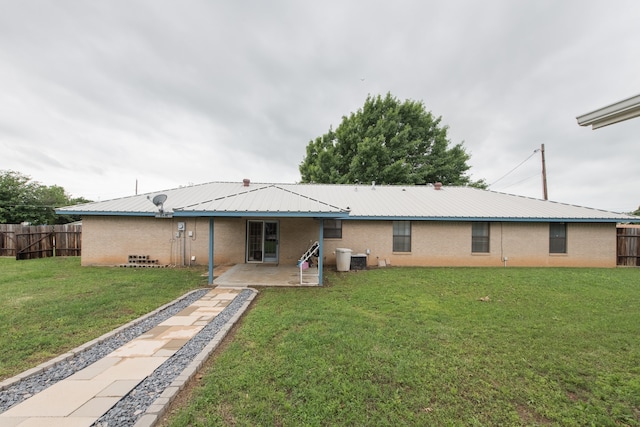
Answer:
(320, 251)
(211, 251)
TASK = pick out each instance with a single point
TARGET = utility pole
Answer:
(544, 175)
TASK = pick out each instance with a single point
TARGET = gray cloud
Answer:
(170, 93)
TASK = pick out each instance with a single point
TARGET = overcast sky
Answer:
(96, 95)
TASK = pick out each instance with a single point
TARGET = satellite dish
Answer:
(159, 201)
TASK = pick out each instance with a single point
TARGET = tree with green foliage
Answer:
(24, 200)
(389, 142)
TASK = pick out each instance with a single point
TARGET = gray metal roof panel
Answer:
(269, 198)
(360, 201)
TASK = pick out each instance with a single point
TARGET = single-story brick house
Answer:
(432, 225)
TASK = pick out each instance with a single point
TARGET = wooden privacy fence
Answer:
(40, 241)
(629, 245)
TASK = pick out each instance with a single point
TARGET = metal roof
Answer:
(347, 202)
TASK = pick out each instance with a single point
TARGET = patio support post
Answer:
(320, 251)
(211, 251)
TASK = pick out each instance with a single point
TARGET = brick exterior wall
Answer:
(109, 241)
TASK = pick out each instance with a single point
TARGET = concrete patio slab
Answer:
(244, 275)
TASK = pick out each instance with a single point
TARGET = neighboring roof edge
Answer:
(617, 112)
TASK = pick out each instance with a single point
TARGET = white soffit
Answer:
(614, 113)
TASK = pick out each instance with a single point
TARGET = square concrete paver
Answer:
(176, 344)
(180, 321)
(12, 422)
(187, 311)
(59, 400)
(137, 368)
(153, 333)
(95, 407)
(180, 332)
(139, 347)
(164, 353)
(95, 368)
(56, 422)
(119, 388)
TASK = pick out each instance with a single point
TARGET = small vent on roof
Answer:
(373, 185)
(246, 182)
(437, 186)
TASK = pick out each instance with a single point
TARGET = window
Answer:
(558, 238)
(480, 237)
(401, 236)
(332, 229)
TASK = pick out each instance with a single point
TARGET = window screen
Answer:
(480, 237)
(558, 238)
(401, 236)
(332, 229)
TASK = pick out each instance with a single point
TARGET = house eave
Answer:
(490, 219)
(341, 215)
(617, 112)
(105, 213)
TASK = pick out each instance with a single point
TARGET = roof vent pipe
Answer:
(246, 182)
(373, 185)
(437, 186)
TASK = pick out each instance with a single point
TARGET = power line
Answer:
(519, 182)
(520, 164)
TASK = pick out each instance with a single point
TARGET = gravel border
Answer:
(148, 401)
(19, 388)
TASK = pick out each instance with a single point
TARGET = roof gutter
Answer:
(208, 214)
(623, 110)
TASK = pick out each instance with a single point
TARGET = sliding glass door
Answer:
(262, 241)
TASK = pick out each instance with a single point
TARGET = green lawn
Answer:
(397, 346)
(409, 346)
(49, 306)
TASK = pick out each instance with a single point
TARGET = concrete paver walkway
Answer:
(85, 396)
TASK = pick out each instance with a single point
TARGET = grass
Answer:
(49, 306)
(383, 347)
(418, 347)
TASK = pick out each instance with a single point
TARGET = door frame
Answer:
(255, 252)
